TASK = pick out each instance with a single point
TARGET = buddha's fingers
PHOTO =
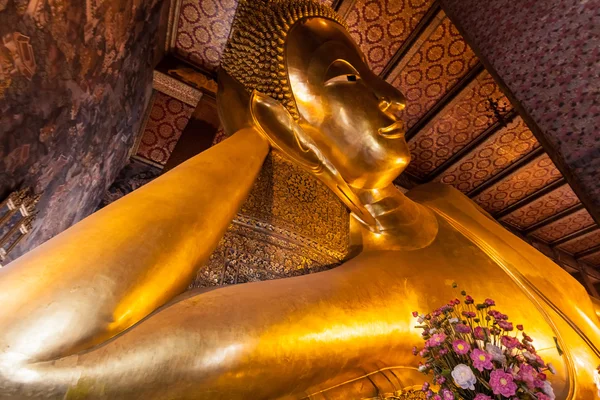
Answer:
(112, 269)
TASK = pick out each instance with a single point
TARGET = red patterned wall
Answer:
(168, 117)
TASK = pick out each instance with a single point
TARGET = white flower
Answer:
(432, 330)
(548, 390)
(422, 368)
(551, 368)
(453, 320)
(496, 353)
(463, 376)
(421, 318)
(597, 381)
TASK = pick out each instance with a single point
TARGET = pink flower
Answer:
(542, 396)
(436, 397)
(502, 383)
(481, 396)
(510, 342)
(527, 374)
(489, 302)
(469, 300)
(520, 327)
(415, 314)
(436, 340)
(469, 314)
(462, 328)
(447, 394)
(479, 333)
(481, 360)
(461, 347)
(507, 326)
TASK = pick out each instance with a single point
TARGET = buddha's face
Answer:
(350, 112)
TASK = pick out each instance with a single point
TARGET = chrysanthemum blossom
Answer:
(461, 347)
(463, 377)
(481, 360)
(502, 383)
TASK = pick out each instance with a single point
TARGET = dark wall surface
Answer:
(75, 78)
(547, 54)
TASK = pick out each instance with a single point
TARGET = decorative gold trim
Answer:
(172, 25)
(175, 88)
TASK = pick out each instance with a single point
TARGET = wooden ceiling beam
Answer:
(553, 218)
(489, 132)
(526, 159)
(445, 100)
(411, 39)
(588, 252)
(530, 198)
(574, 235)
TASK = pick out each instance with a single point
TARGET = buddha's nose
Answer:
(391, 107)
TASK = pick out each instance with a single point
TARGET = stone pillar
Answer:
(545, 56)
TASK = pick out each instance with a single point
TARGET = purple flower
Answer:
(469, 300)
(447, 394)
(510, 342)
(463, 377)
(489, 302)
(469, 314)
(440, 380)
(443, 352)
(436, 397)
(548, 391)
(481, 396)
(481, 360)
(502, 383)
(415, 351)
(462, 328)
(542, 396)
(425, 386)
(507, 326)
(415, 314)
(436, 340)
(527, 375)
(461, 347)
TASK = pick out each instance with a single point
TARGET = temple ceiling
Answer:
(461, 128)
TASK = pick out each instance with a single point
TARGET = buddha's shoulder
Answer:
(446, 199)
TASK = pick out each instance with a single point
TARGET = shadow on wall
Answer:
(75, 77)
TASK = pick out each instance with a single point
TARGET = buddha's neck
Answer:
(408, 224)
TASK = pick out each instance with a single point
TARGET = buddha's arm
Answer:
(259, 340)
(118, 265)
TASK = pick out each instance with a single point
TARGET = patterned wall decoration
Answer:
(490, 157)
(547, 205)
(134, 175)
(279, 231)
(440, 60)
(381, 27)
(521, 183)
(582, 243)
(203, 29)
(457, 124)
(546, 52)
(166, 121)
(74, 85)
(564, 226)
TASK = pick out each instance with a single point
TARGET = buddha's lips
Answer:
(393, 131)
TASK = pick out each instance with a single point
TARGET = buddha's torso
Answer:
(488, 262)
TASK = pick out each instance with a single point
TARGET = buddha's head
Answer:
(299, 53)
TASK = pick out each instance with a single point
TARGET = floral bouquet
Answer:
(474, 352)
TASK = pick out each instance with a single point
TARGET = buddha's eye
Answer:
(341, 71)
(343, 78)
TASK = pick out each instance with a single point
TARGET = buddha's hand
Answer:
(275, 122)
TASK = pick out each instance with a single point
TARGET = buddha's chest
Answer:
(425, 279)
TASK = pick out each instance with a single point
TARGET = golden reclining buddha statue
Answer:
(98, 311)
